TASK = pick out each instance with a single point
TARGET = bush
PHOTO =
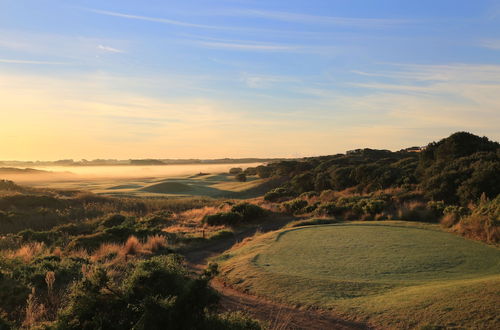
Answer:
(248, 211)
(113, 220)
(294, 206)
(223, 218)
(235, 170)
(309, 194)
(156, 294)
(329, 208)
(250, 171)
(241, 177)
(276, 194)
(484, 222)
(373, 206)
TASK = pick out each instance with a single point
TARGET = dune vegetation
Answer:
(403, 239)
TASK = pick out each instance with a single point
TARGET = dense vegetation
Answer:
(456, 179)
(72, 259)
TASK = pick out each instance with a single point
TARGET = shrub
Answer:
(248, 211)
(309, 194)
(295, 205)
(156, 294)
(483, 223)
(241, 177)
(329, 208)
(235, 170)
(113, 220)
(276, 194)
(437, 207)
(223, 218)
(250, 171)
(373, 206)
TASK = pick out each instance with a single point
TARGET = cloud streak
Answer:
(109, 49)
(152, 19)
(491, 44)
(323, 20)
(15, 61)
(249, 46)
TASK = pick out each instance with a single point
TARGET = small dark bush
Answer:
(113, 220)
(241, 177)
(309, 194)
(223, 218)
(294, 206)
(248, 211)
(275, 194)
(235, 170)
(329, 208)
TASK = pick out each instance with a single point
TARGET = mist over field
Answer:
(61, 173)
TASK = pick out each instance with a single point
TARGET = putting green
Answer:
(377, 253)
(389, 274)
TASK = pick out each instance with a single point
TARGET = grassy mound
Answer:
(389, 275)
(169, 188)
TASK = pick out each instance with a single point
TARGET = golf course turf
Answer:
(388, 274)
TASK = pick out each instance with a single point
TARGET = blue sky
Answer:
(122, 79)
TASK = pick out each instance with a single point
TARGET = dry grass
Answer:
(479, 227)
(115, 253)
(131, 247)
(28, 251)
(197, 215)
(106, 251)
(449, 220)
(34, 312)
(155, 243)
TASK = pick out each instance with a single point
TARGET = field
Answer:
(146, 181)
(387, 274)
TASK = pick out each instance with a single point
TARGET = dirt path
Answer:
(278, 316)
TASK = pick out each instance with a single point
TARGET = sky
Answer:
(243, 78)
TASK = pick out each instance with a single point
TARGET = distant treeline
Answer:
(104, 162)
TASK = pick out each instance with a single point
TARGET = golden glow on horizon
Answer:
(84, 117)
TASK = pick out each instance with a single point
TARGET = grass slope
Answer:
(389, 275)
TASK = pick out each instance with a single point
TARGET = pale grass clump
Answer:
(198, 214)
(29, 251)
(106, 250)
(132, 246)
(80, 253)
(57, 252)
(34, 312)
(449, 220)
(155, 243)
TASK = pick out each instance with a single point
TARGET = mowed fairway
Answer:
(387, 274)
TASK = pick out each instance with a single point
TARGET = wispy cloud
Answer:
(324, 20)
(62, 47)
(110, 49)
(263, 81)
(15, 61)
(265, 47)
(151, 19)
(490, 43)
